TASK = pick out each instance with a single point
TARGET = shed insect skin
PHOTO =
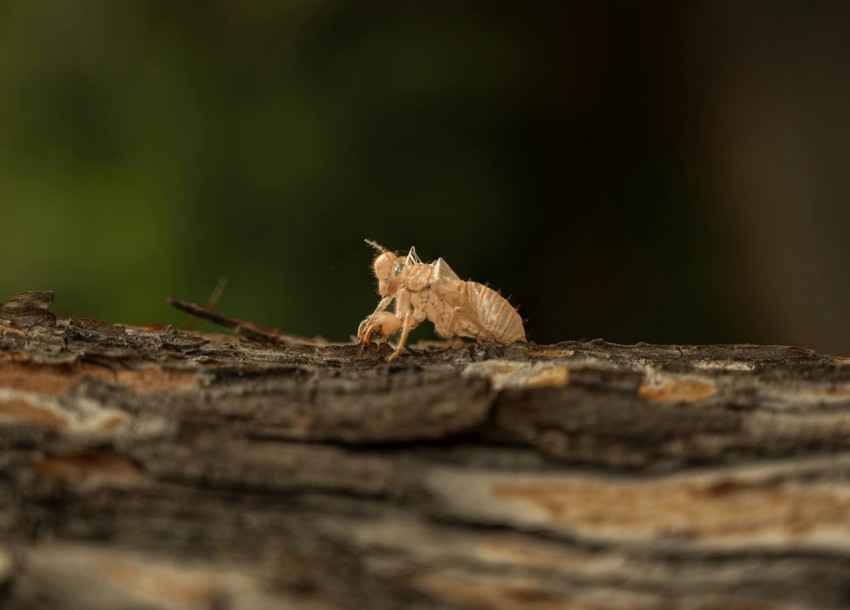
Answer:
(432, 291)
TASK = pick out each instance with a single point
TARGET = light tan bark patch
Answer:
(22, 410)
(53, 379)
(90, 469)
(679, 390)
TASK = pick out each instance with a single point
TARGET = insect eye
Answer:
(398, 268)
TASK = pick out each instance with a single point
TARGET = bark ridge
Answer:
(159, 469)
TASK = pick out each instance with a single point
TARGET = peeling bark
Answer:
(152, 468)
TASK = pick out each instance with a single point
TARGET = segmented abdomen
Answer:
(498, 320)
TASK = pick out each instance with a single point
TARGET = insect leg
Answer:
(451, 325)
(404, 315)
(406, 327)
(385, 324)
(402, 303)
(382, 305)
(369, 323)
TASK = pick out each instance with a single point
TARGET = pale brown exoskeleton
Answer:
(434, 292)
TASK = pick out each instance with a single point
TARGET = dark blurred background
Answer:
(666, 172)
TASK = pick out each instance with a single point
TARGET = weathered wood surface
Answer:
(159, 469)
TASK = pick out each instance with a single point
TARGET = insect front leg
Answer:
(382, 305)
(372, 323)
(384, 324)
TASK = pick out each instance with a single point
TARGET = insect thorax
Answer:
(418, 276)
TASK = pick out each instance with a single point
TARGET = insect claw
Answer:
(382, 324)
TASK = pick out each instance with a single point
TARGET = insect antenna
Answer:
(376, 245)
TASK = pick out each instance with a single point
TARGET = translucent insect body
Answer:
(434, 292)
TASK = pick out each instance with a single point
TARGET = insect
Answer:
(434, 292)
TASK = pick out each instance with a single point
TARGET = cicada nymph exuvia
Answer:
(432, 291)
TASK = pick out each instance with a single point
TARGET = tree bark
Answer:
(158, 469)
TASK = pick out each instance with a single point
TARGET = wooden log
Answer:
(153, 468)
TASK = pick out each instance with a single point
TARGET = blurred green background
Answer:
(663, 172)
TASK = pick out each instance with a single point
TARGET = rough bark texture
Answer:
(156, 469)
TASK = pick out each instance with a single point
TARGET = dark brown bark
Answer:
(151, 468)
